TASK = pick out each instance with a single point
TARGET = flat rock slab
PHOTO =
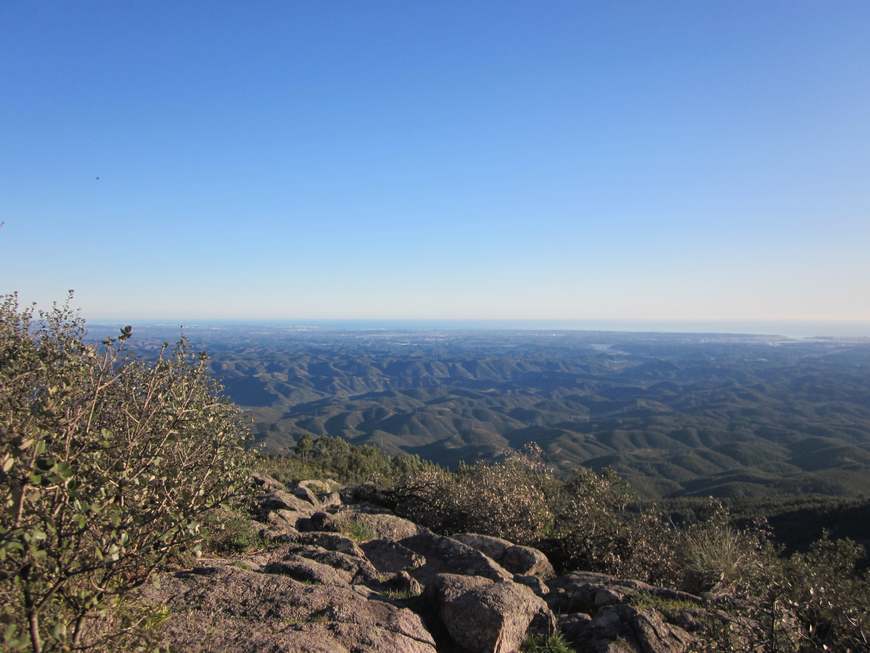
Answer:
(383, 526)
(391, 557)
(446, 555)
(235, 610)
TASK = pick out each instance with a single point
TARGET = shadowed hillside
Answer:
(678, 415)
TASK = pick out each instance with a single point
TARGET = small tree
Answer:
(108, 464)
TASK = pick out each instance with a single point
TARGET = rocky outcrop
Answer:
(389, 556)
(484, 616)
(349, 577)
(626, 628)
(629, 615)
(223, 608)
(380, 525)
(521, 560)
(446, 555)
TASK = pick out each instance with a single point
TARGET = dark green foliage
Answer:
(229, 531)
(335, 458)
(601, 526)
(541, 644)
(109, 466)
(829, 596)
(506, 498)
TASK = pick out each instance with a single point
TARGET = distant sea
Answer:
(787, 328)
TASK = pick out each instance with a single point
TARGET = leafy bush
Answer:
(600, 526)
(828, 595)
(507, 498)
(108, 466)
(591, 522)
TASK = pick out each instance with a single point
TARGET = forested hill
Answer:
(676, 414)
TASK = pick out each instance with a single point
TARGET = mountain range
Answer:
(676, 414)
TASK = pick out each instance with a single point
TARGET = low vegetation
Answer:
(336, 458)
(508, 498)
(591, 521)
(552, 644)
(109, 467)
(358, 531)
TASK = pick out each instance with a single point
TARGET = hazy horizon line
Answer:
(786, 327)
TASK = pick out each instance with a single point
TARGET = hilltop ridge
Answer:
(343, 574)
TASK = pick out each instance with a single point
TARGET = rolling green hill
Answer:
(678, 415)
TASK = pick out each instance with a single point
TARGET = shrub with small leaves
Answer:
(600, 526)
(830, 596)
(108, 466)
(507, 498)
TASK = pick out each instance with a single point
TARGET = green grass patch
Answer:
(400, 595)
(231, 532)
(541, 644)
(358, 531)
(668, 607)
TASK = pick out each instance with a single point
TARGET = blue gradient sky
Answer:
(653, 160)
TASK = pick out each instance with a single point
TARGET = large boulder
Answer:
(483, 616)
(319, 521)
(494, 547)
(284, 500)
(446, 555)
(522, 560)
(283, 522)
(332, 542)
(309, 571)
(345, 567)
(266, 482)
(527, 561)
(325, 493)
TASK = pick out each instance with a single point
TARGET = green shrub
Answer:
(108, 466)
(507, 498)
(829, 596)
(230, 530)
(336, 458)
(601, 527)
(358, 531)
(716, 556)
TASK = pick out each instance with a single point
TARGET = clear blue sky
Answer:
(668, 160)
